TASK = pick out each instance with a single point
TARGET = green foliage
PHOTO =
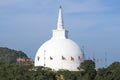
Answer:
(12, 71)
(87, 72)
(110, 73)
(29, 72)
(68, 75)
(24, 72)
(88, 67)
(9, 56)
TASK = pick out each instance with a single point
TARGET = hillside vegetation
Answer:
(29, 72)
(10, 56)
(87, 70)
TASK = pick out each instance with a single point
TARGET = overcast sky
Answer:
(95, 24)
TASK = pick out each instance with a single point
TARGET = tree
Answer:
(110, 73)
(88, 67)
(66, 75)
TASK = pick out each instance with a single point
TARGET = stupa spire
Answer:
(60, 23)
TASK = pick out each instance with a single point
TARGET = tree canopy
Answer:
(9, 70)
(10, 56)
(110, 73)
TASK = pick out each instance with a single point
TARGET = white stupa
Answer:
(59, 52)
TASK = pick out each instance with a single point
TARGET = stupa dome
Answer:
(59, 52)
